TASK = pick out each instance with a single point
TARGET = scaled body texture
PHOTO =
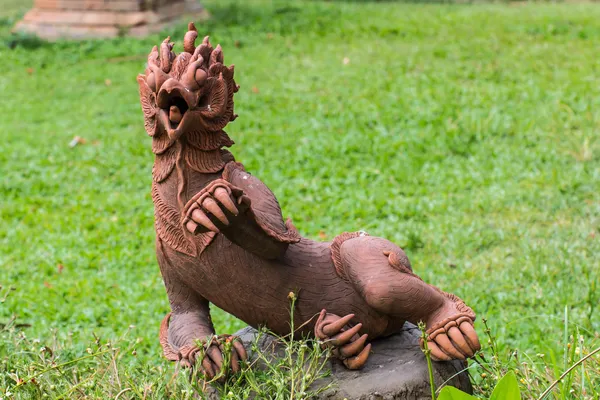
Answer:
(221, 238)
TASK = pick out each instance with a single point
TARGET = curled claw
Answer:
(215, 356)
(359, 361)
(192, 227)
(238, 353)
(446, 345)
(208, 369)
(335, 327)
(470, 336)
(201, 218)
(240, 350)
(345, 337)
(459, 341)
(354, 347)
(212, 207)
(436, 353)
(235, 362)
(223, 197)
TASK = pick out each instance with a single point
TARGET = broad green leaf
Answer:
(452, 393)
(507, 388)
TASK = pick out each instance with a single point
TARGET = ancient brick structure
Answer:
(52, 19)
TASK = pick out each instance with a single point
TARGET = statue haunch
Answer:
(221, 238)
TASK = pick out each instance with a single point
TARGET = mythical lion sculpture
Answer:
(221, 238)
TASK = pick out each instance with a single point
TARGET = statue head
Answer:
(187, 97)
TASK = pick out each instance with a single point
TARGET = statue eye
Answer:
(200, 77)
(194, 77)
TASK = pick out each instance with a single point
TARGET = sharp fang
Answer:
(175, 115)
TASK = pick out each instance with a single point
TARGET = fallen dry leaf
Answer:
(254, 89)
(76, 140)
(60, 268)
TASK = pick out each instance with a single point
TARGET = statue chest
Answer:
(169, 197)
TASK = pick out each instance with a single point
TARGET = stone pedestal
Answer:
(396, 369)
(80, 19)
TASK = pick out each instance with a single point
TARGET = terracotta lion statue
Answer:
(221, 239)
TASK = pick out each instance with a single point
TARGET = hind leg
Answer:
(381, 272)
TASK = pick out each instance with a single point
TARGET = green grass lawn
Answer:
(469, 135)
(14, 8)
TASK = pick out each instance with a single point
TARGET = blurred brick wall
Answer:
(52, 19)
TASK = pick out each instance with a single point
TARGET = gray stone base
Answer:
(396, 369)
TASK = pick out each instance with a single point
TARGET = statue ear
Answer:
(148, 101)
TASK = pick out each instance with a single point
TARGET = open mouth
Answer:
(177, 109)
(174, 106)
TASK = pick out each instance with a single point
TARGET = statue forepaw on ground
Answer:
(215, 356)
(217, 204)
(453, 339)
(347, 344)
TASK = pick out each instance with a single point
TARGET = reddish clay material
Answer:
(221, 238)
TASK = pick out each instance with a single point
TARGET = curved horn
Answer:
(204, 50)
(166, 54)
(216, 56)
(153, 57)
(189, 40)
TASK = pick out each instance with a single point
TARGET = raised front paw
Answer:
(216, 205)
(453, 339)
(216, 356)
(347, 344)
